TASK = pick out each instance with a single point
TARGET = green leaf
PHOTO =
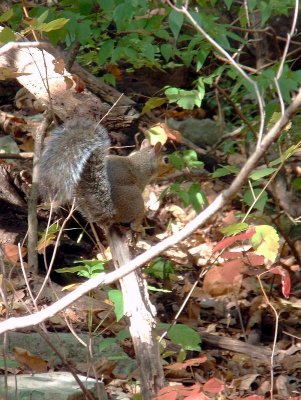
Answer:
(224, 171)
(123, 13)
(53, 25)
(160, 268)
(190, 158)
(7, 35)
(176, 160)
(83, 32)
(228, 3)
(197, 199)
(152, 103)
(167, 50)
(123, 334)
(266, 242)
(234, 229)
(185, 337)
(116, 297)
(265, 11)
(175, 20)
(106, 343)
(296, 184)
(186, 99)
(41, 18)
(261, 201)
(260, 173)
(7, 15)
(105, 51)
(85, 6)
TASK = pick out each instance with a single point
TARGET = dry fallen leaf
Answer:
(30, 361)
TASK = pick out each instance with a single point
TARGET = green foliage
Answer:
(234, 229)
(106, 343)
(190, 196)
(186, 99)
(87, 268)
(251, 195)
(224, 171)
(185, 159)
(160, 268)
(266, 242)
(7, 35)
(183, 336)
(115, 296)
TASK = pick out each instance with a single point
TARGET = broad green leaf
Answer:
(7, 35)
(85, 6)
(261, 201)
(123, 14)
(167, 50)
(185, 337)
(296, 184)
(41, 18)
(116, 297)
(160, 268)
(197, 199)
(156, 134)
(106, 343)
(175, 20)
(224, 171)
(190, 158)
(53, 25)
(228, 3)
(105, 51)
(7, 15)
(152, 103)
(260, 173)
(265, 242)
(234, 229)
(83, 32)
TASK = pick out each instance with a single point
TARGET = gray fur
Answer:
(65, 168)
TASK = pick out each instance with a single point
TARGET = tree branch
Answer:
(218, 203)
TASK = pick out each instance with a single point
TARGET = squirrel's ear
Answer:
(145, 143)
(158, 147)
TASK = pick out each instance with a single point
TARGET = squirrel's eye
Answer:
(165, 160)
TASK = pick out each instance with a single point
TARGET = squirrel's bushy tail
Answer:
(66, 154)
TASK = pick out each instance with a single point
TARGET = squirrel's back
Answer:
(65, 158)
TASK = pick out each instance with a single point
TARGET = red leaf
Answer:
(172, 392)
(169, 392)
(252, 397)
(198, 396)
(223, 244)
(237, 265)
(214, 386)
(285, 280)
(254, 260)
(232, 254)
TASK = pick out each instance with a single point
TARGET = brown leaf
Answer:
(11, 252)
(223, 280)
(59, 65)
(185, 364)
(30, 361)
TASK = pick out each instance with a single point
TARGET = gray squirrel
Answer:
(107, 189)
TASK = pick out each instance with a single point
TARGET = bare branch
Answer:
(218, 203)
